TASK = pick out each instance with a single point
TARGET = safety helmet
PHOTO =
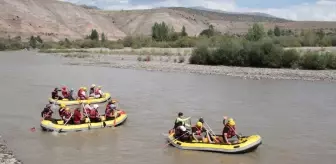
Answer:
(95, 106)
(93, 85)
(84, 88)
(199, 124)
(231, 122)
(99, 87)
(72, 89)
(56, 89)
(67, 109)
(113, 106)
(113, 101)
(180, 114)
(201, 120)
(62, 105)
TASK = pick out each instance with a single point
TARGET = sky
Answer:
(315, 10)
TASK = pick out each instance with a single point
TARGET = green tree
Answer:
(208, 32)
(183, 32)
(94, 35)
(255, 33)
(160, 32)
(277, 31)
(103, 37)
(38, 38)
(270, 32)
(32, 42)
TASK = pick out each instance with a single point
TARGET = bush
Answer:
(331, 60)
(314, 60)
(200, 55)
(290, 59)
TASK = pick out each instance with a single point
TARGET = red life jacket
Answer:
(79, 93)
(77, 116)
(65, 93)
(231, 131)
(61, 112)
(67, 114)
(108, 112)
(97, 91)
(93, 113)
(47, 115)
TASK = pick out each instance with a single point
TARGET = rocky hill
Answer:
(52, 19)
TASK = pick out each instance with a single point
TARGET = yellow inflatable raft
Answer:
(245, 144)
(58, 125)
(92, 100)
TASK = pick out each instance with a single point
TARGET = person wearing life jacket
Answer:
(92, 90)
(54, 94)
(199, 132)
(94, 114)
(61, 110)
(81, 93)
(67, 117)
(78, 118)
(71, 95)
(65, 93)
(110, 111)
(181, 119)
(87, 109)
(47, 112)
(98, 93)
(229, 131)
(181, 132)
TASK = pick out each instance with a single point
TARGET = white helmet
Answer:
(113, 106)
(95, 106)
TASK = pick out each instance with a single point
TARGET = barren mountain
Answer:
(52, 19)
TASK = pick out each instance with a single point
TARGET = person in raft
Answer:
(92, 90)
(181, 119)
(77, 117)
(111, 111)
(65, 92)
(54, 94)
(82, 93)
(98, 93)
(181, 132)
(199, 132)
(94, 114)
(67, 116)
(47, 112)
(229, 131)
(61, 110)
(71, 95)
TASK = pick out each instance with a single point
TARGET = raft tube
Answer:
(106, 97)
(58, 125)
(246, 144)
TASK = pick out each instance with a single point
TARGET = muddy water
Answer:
(295, 118)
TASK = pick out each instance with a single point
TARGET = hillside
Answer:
(52, 19)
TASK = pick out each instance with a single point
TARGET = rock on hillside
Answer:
(52, 19)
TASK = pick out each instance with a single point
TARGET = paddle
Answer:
(89, 125)
(175, 139)
(211, 132)
(66, 122)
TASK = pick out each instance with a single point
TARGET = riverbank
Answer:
(179, 63)
(7, 156)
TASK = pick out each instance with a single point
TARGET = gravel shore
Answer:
(7, 156)
(171, 64)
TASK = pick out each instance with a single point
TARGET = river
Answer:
(296, 119)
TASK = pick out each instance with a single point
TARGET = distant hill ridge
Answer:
(54, 20)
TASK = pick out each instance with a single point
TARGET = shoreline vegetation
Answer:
(256, 48)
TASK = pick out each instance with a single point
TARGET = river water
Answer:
(296, 119)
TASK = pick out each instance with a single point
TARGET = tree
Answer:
(208, 32)
(183, 32)
(270, 32)
(94, 35)
(255, 33)
(277, 31)
(103, 37)
(39, 39)
(32, 42)
(160, 32)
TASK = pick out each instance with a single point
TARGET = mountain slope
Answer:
(54, 20)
